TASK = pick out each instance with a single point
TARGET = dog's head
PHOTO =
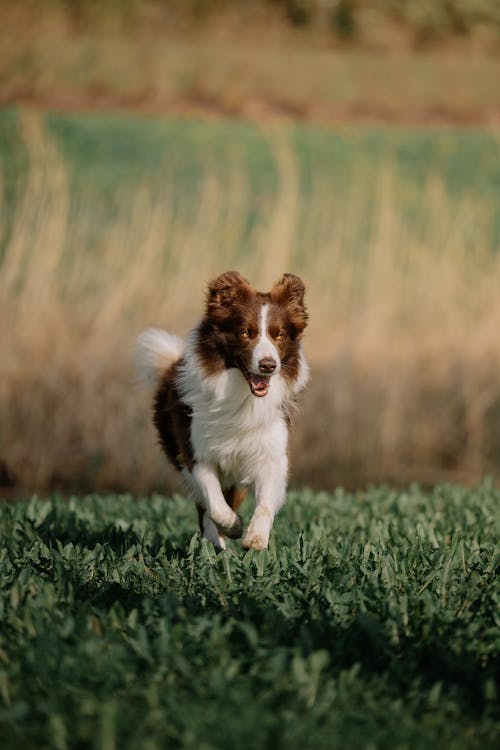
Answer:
(256, 332)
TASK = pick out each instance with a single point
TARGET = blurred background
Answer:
(148, 145)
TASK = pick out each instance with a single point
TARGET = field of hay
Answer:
(327, 61)
(112, 223)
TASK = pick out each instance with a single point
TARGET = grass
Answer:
(371, 622)
(249, 63)
(106, 221)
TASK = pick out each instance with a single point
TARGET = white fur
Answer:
(264, 347)
(214, 501)
(237, 439)
(304, 374)
(156, 351)
(208, 527)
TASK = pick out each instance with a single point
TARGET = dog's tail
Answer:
(155, 352)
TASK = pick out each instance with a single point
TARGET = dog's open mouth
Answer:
(259, 384)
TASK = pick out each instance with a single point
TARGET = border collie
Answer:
(224, 398)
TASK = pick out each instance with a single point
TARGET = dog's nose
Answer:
(267, 365)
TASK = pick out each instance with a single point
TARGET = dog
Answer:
(224, 398)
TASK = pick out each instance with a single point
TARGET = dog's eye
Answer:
(245, 334)
(280, 336)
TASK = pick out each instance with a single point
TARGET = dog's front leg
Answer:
(226, 520)
(270, 490)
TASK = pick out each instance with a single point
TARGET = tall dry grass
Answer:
(246, 61)
(404, 336)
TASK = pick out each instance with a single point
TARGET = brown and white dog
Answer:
(223, 400)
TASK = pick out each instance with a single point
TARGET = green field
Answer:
(109, 157)
(146, 147)
(371, 622)
(106, 220)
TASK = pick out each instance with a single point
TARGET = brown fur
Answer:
(172, 419)
(235, 496)
(233, 306)
(226, 338)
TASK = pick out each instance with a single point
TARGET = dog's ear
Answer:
(289, 291)
(225, 291)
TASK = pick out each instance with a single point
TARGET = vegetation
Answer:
(257, 59)
(372, 621)
(107, 221)
(344, 18)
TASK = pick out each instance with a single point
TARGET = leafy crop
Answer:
(371, 621)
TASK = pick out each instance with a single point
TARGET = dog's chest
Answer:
(236, 431)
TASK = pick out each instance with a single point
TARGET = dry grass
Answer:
(244, 64)
(403, 338)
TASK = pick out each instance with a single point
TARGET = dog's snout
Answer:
(267, 365)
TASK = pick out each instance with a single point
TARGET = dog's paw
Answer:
(257, 536)
(235, 530)
(254, 541)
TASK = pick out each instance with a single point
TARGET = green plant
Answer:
(372, 621)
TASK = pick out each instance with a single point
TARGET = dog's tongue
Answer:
(259, 384)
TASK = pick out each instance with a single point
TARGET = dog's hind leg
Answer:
(235, 496)
(209, 530)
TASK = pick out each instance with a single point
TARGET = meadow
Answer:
(435, 61)
(146, 146)
(111, 223)
(371, 622)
